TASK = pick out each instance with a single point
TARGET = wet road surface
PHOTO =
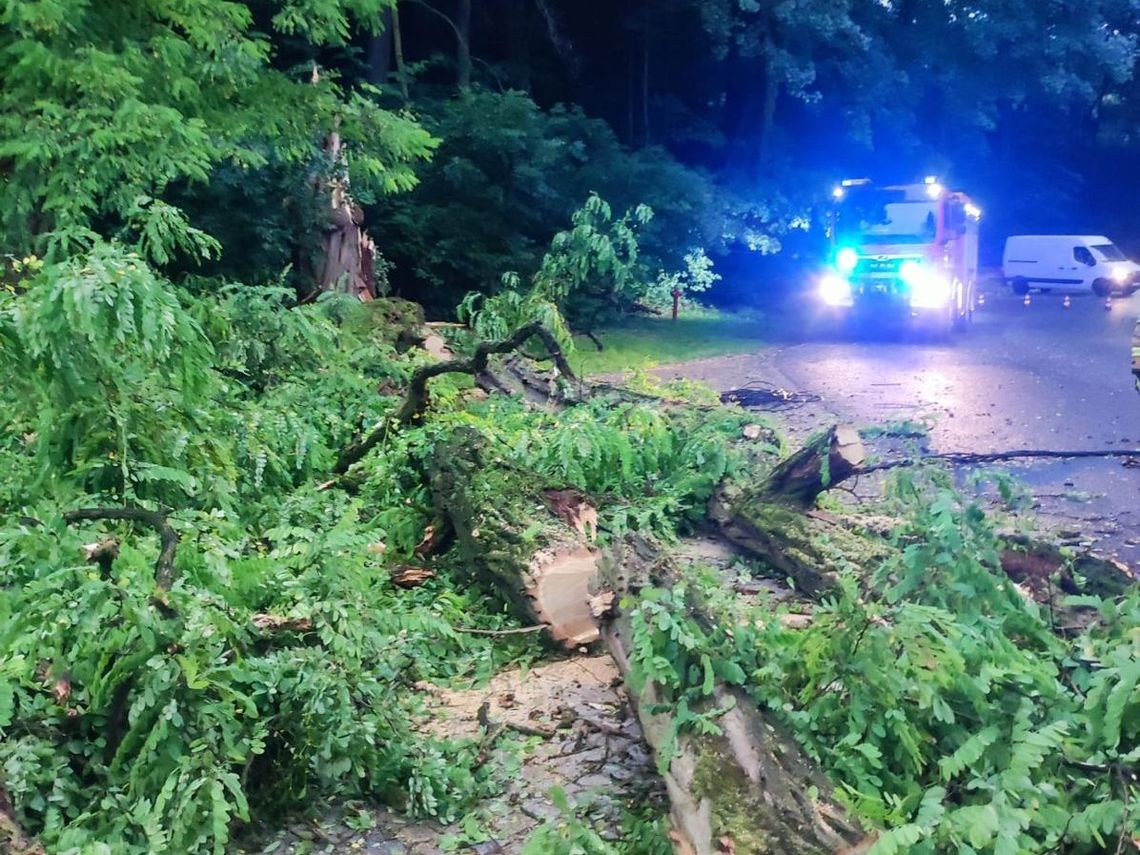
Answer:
(1036, 377)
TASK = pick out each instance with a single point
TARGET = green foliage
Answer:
(696, 277)
(592, 272)
(104, 108)
(113, 372)
(569, 834)
(179, 717)
(275, 671)
(507, 178)
(649, 469)
(940, 700)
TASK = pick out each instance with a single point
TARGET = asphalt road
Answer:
(1036, 377)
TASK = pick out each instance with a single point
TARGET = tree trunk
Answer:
(744, 790)
(768, 111)
(380, 51)
(398, 48)
(463, 46)
(349, 254)
(518, 43)
(530, 546)
(772, 515)
(13, 838)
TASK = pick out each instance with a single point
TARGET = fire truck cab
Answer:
(906, 252)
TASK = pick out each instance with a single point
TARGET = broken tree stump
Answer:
(771, 515)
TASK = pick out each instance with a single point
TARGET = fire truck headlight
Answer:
(846, 259)
(835, 290)
(911, 272)
(930, 291)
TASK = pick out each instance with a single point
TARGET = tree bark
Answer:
(742, 790)
(398, 49)
(768, 110)
(13, 838)
(380, 50)
(518, 43)
(513, 540)
(772, 517)
(745, 788)
(463, 44)
(349, 255)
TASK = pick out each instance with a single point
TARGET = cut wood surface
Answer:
(514, 544)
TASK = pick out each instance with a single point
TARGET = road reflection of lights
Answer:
(934, 386)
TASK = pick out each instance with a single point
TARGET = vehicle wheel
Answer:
(1019, 286)
(965, 313)
(1102, 287)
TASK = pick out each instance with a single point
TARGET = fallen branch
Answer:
(416, 400)
(522, 630)
(969, 458)
(278, 623)
(168, 537)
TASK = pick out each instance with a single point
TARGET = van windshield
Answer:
(1109, 252)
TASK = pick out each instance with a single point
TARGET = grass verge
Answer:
(645, 341)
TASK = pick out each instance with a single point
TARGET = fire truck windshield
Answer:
(873, 215)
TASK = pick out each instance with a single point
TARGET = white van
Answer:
(1069, 262)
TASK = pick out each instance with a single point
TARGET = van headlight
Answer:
(1120, 274)
(834, 290)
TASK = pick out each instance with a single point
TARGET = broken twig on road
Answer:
(969, 458)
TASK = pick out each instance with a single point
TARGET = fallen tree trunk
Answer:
(744, 790)
(772, 517)
(514, 542)
(13, 838)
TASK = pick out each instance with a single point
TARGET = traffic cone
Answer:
(1026, 301)
(1067, 302)
(981, 300)
(1108, 303)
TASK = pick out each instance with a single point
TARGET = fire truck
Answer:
(903, 252)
